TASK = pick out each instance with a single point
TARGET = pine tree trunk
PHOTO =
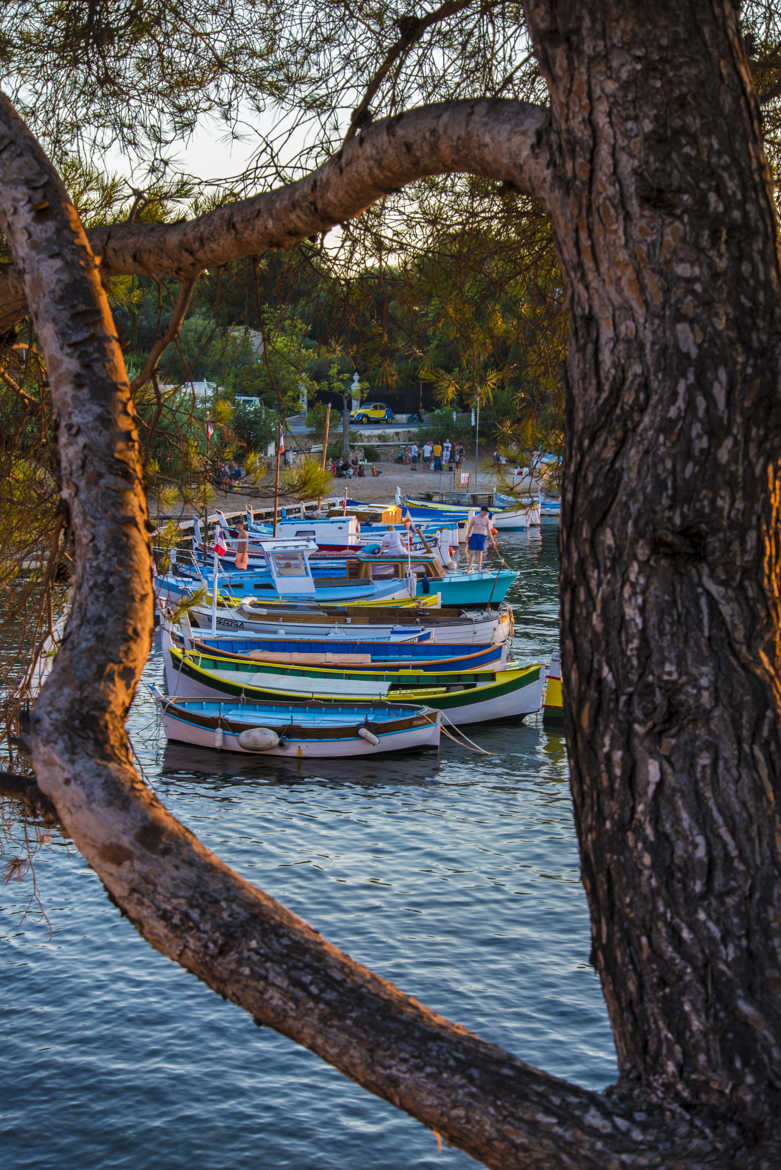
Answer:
(670, 538)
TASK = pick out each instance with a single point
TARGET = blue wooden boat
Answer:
(313, 730)
(397, 621)
(517, 515)
(343, 533)
(348, 652)
(286, 576)
(293, 575)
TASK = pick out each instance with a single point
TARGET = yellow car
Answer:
(372, 412)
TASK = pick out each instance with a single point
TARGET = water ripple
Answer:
(453, 875)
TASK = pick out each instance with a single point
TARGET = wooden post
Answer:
(325, 448)
(280, 452)
(325, 440)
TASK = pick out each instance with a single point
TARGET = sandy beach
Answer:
(372, 489)
(368, 488)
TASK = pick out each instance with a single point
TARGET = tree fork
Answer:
(181, 898)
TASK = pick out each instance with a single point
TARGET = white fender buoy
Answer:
(369, 736)
(218, 737)
(258, 739)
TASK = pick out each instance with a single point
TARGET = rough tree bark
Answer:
(670, 555)
(650, 166)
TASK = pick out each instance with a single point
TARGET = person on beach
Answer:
(437, 456)
(447, 448)
(413, 456)
(478, 533)
(427, 449)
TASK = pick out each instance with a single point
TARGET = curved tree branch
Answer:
(502, 140)
(178, 314)
(182, 899)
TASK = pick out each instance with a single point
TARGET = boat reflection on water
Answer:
(181, 761)
(554, 746)
(487, 747)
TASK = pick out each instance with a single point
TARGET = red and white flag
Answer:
(281, 444)
(220, 547)
(209, 430)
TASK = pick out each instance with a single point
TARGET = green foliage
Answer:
(316, 416)
(174, 437)
(254, 426)
(306, 481)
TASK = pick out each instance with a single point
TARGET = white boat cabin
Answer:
(288, 564)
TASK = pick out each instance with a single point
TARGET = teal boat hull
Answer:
(488, 587)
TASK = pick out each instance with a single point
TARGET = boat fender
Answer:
(425, 585)
(218, 737)
(258, 739)
(369, 736)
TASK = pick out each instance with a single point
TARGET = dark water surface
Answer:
(453, 875)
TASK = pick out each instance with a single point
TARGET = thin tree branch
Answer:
(412, 29)
(17, 389)
(25, 790)
(172, 331)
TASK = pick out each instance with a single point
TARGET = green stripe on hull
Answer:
(465, 688)
(406, 677)
(476, 694)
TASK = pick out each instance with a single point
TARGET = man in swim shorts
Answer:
(478, 534)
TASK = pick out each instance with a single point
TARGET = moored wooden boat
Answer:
(374, 576)
(348, 652)
(553, 696)
(302, 731)
(285, 576)
(455, 506)
(449, 624)
(465, 696)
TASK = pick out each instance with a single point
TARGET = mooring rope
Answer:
(460, 738)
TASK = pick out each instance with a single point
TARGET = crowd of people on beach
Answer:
(434, 456)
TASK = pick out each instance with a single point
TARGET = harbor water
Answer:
(453, 874)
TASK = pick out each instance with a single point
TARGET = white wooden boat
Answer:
(319, 731)
(436, 625)
(285, 576)
(464, 697)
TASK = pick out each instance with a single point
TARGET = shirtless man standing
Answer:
(477, 535)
